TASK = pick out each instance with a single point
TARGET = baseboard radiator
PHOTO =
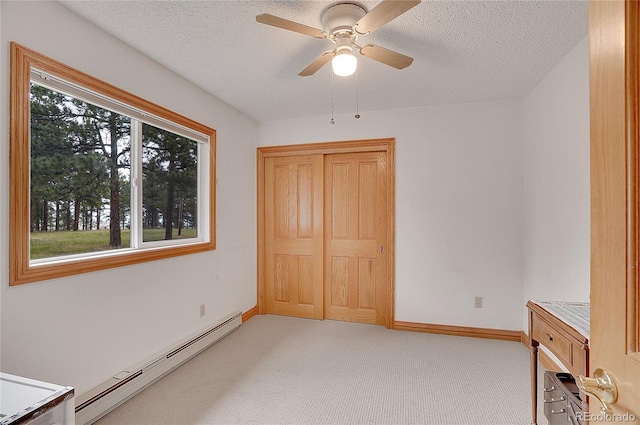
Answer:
(100, 400)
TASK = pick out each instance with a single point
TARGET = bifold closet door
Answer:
(355, 231)
(293, 235)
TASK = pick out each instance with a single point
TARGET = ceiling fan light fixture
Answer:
(344, 63)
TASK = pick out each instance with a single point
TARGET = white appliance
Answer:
(26, 401)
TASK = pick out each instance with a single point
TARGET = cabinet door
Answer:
(355, 221)
(293, 235)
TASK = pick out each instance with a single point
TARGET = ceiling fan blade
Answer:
(286, 24)
(318, 63)
(386, 56)
(384, 12)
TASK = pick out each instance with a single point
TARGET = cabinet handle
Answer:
(555, 412)
(555, 400)
(550, 337)
(548, 390)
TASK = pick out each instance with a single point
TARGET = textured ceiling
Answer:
(465, 51)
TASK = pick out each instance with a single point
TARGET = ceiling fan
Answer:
(342, 23)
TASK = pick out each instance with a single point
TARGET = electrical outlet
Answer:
(478, 302)
(201, 310)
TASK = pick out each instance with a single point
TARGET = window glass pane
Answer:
(169, 185)
(80, 176)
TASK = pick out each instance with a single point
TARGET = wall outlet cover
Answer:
(478, 302)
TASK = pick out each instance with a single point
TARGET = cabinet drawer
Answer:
(561, 399)
(555, 401)
(552, 339)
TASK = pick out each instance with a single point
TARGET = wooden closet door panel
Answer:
(355, 231)
(293, 235)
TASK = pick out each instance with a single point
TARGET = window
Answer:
(99, 177)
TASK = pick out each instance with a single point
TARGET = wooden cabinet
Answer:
(563, 328)
(552, 338)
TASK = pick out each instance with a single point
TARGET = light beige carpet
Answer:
(281, 370)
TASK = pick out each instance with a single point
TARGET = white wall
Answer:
(81, 330)
(556, 183)
(458, 205)
(460, 211)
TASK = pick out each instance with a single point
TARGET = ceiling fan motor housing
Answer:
(341, 17)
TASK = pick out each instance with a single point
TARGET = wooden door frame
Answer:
(388, 146)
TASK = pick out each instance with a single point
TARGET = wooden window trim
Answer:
(20, 271)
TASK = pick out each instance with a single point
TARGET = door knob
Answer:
(602, 386)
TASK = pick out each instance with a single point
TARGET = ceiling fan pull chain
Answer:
(357, 99)
(332, 120)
